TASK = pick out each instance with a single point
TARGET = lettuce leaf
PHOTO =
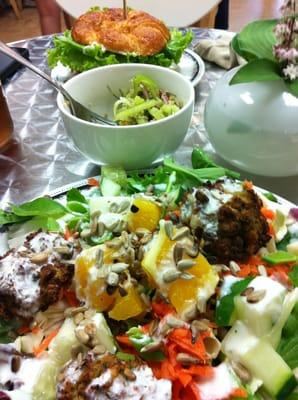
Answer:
(82, 58)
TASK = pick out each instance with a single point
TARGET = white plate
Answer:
(191, 66)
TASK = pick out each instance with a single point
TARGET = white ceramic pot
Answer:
(254, 126)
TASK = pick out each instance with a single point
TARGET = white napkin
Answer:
(219, 51)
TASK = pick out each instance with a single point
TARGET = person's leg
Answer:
(49, 16)
(222, 17)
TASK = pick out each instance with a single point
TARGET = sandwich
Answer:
(103, 36)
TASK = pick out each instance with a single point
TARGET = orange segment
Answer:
(89, 287)
(128, 306)
(181, 293)
(144, 214)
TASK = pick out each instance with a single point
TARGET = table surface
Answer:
(41, 158)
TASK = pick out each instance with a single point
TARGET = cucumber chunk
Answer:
(109, 187)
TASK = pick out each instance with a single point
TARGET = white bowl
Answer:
(134, 146)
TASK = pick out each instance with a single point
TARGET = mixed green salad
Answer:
(179, 284)
(144, 102)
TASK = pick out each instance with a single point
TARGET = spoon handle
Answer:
(22, 60)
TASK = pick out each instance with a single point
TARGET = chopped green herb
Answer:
(139, 340)
(226, 304)
(280, 257)
(293, 275)
(270, 196)
(125, 356)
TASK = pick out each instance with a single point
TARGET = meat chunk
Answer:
(107, 377)
(31, 278)
(226, 220)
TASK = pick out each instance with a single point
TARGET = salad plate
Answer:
(164, 283)
(191, 66)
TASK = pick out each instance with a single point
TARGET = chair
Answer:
(176, 13)
(17, 6)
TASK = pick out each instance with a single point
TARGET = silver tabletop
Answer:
(42, 158)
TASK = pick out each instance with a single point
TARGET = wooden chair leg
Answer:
(15, 8)
(208, 21)
(20, 4)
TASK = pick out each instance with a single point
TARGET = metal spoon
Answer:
(76, 108)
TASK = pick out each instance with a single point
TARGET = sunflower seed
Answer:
(171, 275)
(146, 300)
(112, 279)
(130, 255)
(127, 372)
(82, 336)
(153, 327)
(174, 322)
(247, 291)
(78, 318)
(192, 251)
(177, 252)
(168, 225)
(89, 313)
(100, 228)
(90, 329)
(186, 359)
(151, 347)
(63, 250)
(255, 296)
(114, 208)
(114, 244)
(123, 206)
(119, 267)
(212, 346)
(183, 265)
(180, 233)
(234, 267)
(99, 258)
(99, 349)
(70, 312)
(39, 258)
(140, 253)
(93, 226)
(241, 371)
(141, 231)
(262, 270)
(86, 233)
(186, 276)
(146, 238)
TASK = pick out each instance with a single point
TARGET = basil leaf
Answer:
(226, 305)
(42, 206)
(77, 207)
(293, 275)
(256, 40)
(257, 70)
(75, 195)
(139, 340)
(10, 218)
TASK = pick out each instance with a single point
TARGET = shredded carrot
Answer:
(45, 343)
(182, 338)
(161, 309)
(26, 329)
(124, 340)
(71, 297)
(248, 185)
(267, 213)
(67, 234)
(93, 182)
(35, 330)
(240, 393)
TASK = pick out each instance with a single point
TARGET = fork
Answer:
(76, 108)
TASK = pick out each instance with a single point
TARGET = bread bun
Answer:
(139, 33)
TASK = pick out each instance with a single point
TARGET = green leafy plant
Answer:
(270, 48)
